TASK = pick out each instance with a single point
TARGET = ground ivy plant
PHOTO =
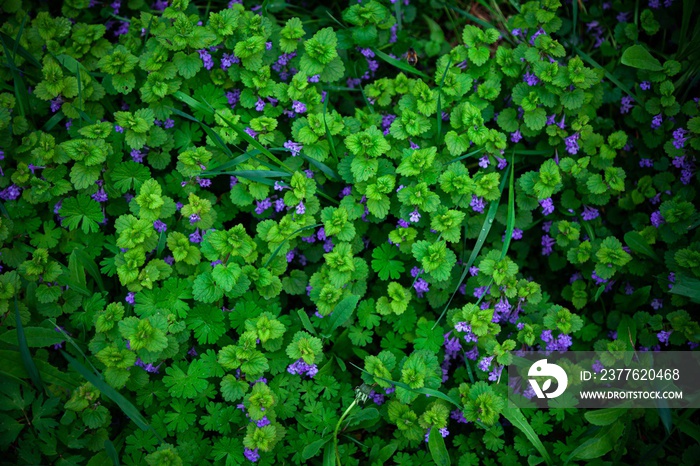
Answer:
(317, 232)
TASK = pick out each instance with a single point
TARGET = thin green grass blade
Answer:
(53, 121)
(125, 405)
(485, 229)
(329, 137)
(21, 51)
(231, 163)
(27, 360)
(328, 171)
(20, 89)
(517, 418)
(277, 249)
(265, 177)
(438, 135)
(111, 452)
(510, 223)
(465, 156)
(422, 391)
(608, 74)
(245, 136)
(210, 132)
(90, 267)
(403, 66)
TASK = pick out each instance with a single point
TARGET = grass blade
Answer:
(608, 74)
(328, 171)
(516, 417)
(125, 405)
(27, 360)
(328, 133)
(485, 229)
(438, 135)
(111, 452)
(403, 66)
(194, 103)
(90, 267)
(438, 450)
(277, 250)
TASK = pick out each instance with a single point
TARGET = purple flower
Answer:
(444, 432)
(130, 297)
(646, 163)
(262, 422)
(538, 33)
(626, 104)
(657, 219)
(623, 17)
(477, 204)
(502, 163)
(262, 206)
(56, 104)
(657, 304)
(663, 336)
(495, 374)
(656, 121)
(403, 223)
(484, 161)
(169, 123)
(414, 216)
(589, 213)
(421, 286)
(195, 237)
(597, 279)
(250, 132)
(294, 147)
(137, 156)
(233, 97)
(473, 271)
(679, 138)
(194, 218)
(463, 327)
(645, 85)
(301, 209)
(547, 206)
(160, 226)
(547, 245)
(515, 137)
(484, 363)
(571, 143)
(251, 455)
(530, 79)
(298, 107)
(206, 59)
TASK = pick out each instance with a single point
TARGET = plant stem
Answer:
(337, 427)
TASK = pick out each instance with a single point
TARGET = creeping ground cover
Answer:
(317, 232)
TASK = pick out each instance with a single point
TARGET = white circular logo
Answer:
(552, 371)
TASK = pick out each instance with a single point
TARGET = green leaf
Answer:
(637, 56)
(35, 337)
(603, 442)
(313, 448)
(125, 405)
(438, 450)
(403, 66)
(604, 417)
(27, 360)
(687, 286)
(516, 417)
(636, 242)
(187, 65)
(342, 312)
